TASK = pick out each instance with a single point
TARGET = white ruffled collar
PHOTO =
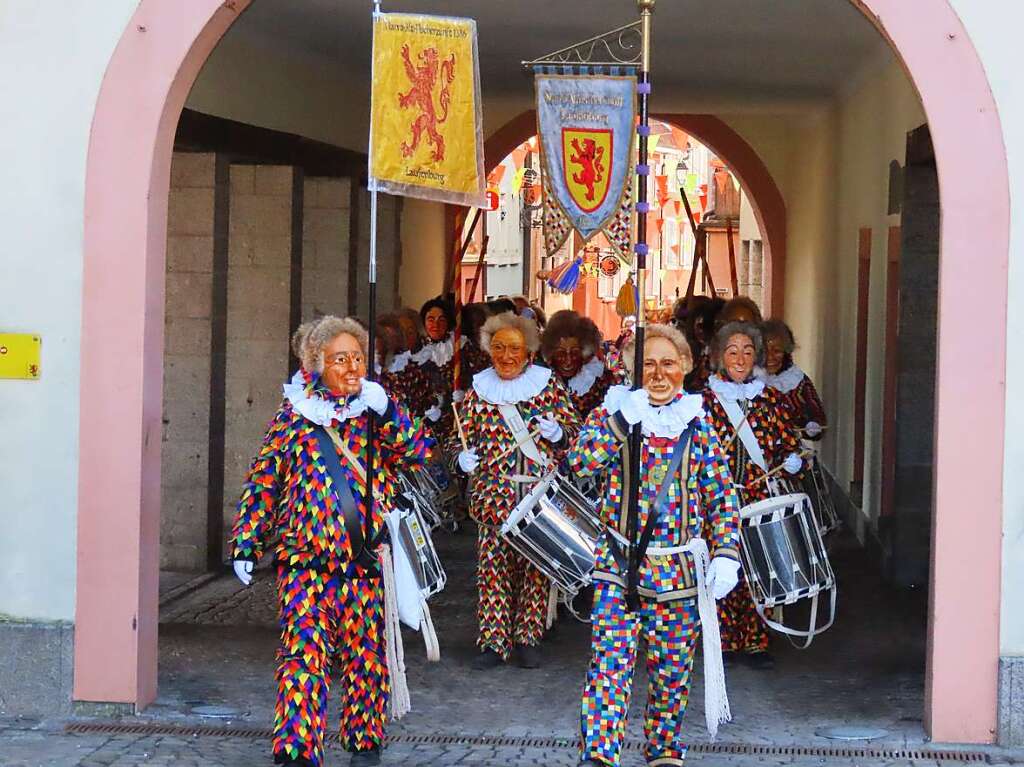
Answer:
(668, 420)
(399, 362)
(733, 391)
(438, 352)
(785, 381)
(317, 409)
(497, 391)
(584, 380)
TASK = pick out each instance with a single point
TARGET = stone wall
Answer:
(185, 449)
(259, 294)
(327, 204)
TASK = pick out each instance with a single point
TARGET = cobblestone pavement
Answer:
(217, 649)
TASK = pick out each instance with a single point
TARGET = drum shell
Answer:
(783, 554)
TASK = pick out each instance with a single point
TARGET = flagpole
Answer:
(646, 8)
(371, 363)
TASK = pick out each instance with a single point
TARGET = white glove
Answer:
(458, 395)
(243, 569)
(634, 405)
(549, 429)
(468, 461)
(793, 463)
(433, 413)
(374, 396)
(723, 575)
(812, 429)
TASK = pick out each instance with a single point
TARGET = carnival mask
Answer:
(739, 357)
(774, 355)
(509, 354)
(409, 332)
(567, 358)
(436, 323)
(344, 365)
(664, 370)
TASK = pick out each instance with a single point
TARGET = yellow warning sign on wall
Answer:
(19, 355)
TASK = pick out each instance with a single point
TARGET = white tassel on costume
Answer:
(552, 614)
(716, 697)
(399, 703)
(430, 636)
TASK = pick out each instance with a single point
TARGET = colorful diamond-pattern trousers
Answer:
(670, 630)
(329, 624)
(742, 628)
(513, 595)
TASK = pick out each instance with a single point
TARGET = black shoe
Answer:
(487, 660)
(761, 660)
(591, 763)
(284, 761)
(527, 656)
(729, 657)
(369, 758)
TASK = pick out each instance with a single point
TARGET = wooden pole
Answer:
(646, 8)
(732, 258)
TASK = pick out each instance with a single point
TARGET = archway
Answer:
(124, 249)
(765, 197)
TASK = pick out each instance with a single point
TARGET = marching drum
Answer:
(785, 560)
(413, 536)
(556, 529)
(816, 487)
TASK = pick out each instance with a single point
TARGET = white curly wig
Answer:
(524, 325)
(323, 332)
(668, 332)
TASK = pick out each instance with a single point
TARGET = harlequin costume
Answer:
(798, 395)
(588, 388)
(512, 592)
(766, 418)
(698, 496)
(330, 597)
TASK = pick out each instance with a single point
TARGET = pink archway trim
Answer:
(765, 198)
(127, 179)
(963, 649)
(149, 76)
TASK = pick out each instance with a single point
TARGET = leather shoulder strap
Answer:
(349, 510)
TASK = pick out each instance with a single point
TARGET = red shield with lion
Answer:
(587, 154)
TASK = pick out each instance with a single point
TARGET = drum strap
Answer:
(350, 513)
(520, 433)
(743, 431)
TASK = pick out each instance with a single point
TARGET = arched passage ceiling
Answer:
(730, 55)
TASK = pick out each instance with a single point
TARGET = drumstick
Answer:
(458, 424)
(534, 433)
(767, 475)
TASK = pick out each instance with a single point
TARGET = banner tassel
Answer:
(625, 304)
(566, 277)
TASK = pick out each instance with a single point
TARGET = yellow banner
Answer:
(19, 355)
(425, 124)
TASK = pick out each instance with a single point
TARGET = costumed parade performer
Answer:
(569, 344)
(685, 488)
(306, 489)
(516, 421)
(437, 359)
(753, 425)
(415, 379)
(793, 384)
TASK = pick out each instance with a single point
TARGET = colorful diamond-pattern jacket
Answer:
(770, 421)
(704, 500)
(288, 490)
(493, 493)
(594, 396)
(804, 405)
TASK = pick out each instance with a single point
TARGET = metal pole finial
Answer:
(645, 6)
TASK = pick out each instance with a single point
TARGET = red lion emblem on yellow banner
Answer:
(424, 77)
